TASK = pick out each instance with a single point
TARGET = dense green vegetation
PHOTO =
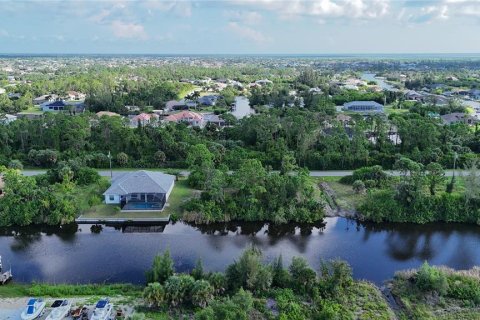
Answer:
(317, 141)
(250, 289)
(54, 198)
(437, 293)
(421, 194)
(250, 193)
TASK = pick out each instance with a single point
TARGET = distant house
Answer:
(8, 118)
(458, 117)
(474, 94)
(183, 104)
(315, 90)
(132, 108)
(263, 82)
(414, 95)
(210, 100)
(350, 87)
(61, 105)
(140, 191)
(363, 107)
(213, 119)
(143, 119)
(2, 91)
(191, 118)
(45, 98)
(107, 114)
(74, 95)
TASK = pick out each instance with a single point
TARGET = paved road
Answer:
(332, 173)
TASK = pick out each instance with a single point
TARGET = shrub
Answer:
(162, 268)
(15, 164)
(85, 176)
(122, 159)
(431, 279)
(375, 174)
(359, 187)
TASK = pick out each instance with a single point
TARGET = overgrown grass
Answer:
(366, 302)
(345, 197)
(460, 299)
(67, 290)
(14, 290)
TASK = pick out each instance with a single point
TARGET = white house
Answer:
(140, 190)
(8, 118)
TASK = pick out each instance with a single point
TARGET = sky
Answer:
(239, 26)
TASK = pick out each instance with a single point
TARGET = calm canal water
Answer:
(242, 107)
(380, 82)
(76, 254)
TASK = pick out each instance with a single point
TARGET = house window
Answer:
(111, 197)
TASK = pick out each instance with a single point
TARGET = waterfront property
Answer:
(459, 117)
(140, 191)
(363, 107)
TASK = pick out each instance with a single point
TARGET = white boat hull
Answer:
(59, 313)
(38, 310)
(105, 315)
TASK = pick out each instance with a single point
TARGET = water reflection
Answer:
(95, 253)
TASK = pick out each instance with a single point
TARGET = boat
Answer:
(60, 309)
(80, 313)
(103, 310)
(33, 310)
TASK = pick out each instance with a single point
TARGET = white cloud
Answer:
(128, 30)
(101, 16)
(323, 9)
(445, 10)
(246, 17)
(181, 8)
(248, 33)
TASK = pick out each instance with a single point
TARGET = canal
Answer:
(81, 254)
(242, 107)
(380, 81)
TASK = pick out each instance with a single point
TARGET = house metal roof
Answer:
(141, 182)
(363, 103)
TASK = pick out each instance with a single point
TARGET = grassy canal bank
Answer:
(424, 293)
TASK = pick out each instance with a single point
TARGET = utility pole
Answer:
(110, 159)
(455, 156)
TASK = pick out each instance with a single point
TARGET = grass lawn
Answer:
(33, 110)
(391, 110)
(180, 193)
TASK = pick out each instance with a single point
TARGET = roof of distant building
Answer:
(184, 115)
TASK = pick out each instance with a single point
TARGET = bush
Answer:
(122, 159)
(86, 176)
(15, 164)
(431, 279)
(162, 268)
(374, 175)
(359, 187)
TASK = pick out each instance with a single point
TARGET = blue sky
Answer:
(240, 26)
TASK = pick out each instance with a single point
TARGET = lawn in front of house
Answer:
(181, 192)
(32, 110)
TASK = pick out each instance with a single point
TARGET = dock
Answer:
(82, 220)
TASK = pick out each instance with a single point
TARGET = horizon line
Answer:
(244, 54)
